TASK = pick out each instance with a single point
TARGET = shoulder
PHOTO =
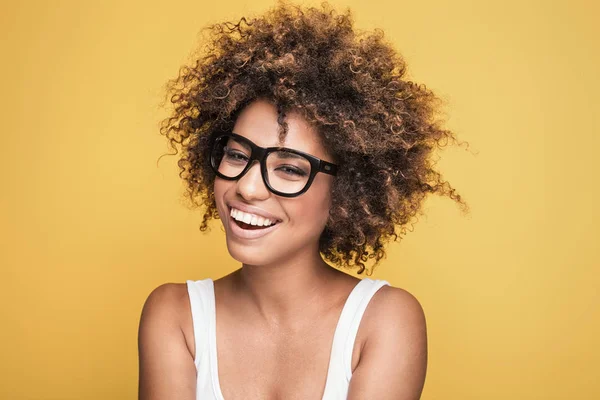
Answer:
(395, 308)
(395, 320)
(164, 312)
(167, 310)
(166, 300)
(393, 360)
(166, 364)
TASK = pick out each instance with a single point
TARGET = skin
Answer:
(278, 312)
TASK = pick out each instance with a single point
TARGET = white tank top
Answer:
(202, 300)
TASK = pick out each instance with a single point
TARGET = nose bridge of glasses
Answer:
(253, 174)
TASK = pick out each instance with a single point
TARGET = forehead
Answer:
(258, 122)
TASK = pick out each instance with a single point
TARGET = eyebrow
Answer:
(284, 154)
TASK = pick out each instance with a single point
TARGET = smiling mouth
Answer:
(244, 225)
(254, 222)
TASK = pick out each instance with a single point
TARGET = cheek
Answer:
(220, 187)
(313, 207)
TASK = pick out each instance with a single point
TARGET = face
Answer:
(301, 219)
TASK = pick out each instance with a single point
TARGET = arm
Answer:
(393, 361)
(166, 366)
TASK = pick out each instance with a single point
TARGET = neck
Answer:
(285, 292)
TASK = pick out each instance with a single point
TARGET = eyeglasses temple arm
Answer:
(328, 168)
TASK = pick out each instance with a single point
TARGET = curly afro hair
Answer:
(381, 128)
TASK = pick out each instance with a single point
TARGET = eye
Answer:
(290, 170)
(234, 155)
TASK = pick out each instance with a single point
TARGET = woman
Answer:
(305, 139)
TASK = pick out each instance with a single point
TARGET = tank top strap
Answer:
(340, 367)
(202, 304)
(358, 306)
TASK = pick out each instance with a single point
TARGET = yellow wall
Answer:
(90, 224)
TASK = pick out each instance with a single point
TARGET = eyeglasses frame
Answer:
(260, 154)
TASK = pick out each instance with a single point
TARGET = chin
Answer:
(249, 255)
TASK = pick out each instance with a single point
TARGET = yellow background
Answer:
(90, 224)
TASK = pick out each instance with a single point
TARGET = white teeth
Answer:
(251, 219)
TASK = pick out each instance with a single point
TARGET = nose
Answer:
(251, 185)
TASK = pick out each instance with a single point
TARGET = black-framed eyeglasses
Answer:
(285, 172)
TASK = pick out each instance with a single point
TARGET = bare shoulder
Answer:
(166, 305)
(395, 308)
(393, 361)
(167, 295)
(169, 305)
(166, 367)
(395, 319)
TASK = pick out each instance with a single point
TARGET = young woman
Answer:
(304, 138)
